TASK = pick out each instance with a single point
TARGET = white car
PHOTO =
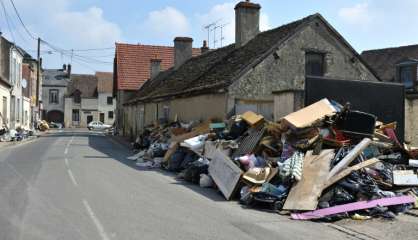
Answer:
(96, 125)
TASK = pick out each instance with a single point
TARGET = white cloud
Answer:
(264, 22)
(56, 22)
(358, 14)
(166, 23)
(225, 14)
(87, 27)
(222, 14)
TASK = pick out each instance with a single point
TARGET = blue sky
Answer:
(87, 24)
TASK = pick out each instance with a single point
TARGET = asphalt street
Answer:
(79, 185)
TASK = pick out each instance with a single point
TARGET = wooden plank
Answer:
(349, 170)
(353, 207)
(357, 150)
(305, 193)
(224, 173)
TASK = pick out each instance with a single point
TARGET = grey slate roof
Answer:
(217, 69)
(85, 83)
(383, 61)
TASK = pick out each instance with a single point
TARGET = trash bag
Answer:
(193, 172)
(176, 160)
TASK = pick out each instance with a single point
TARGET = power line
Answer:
(7, 20)
(81, 59)
(20, 19)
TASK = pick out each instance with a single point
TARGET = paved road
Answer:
(78, 185)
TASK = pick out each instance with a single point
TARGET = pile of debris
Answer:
(325, 161)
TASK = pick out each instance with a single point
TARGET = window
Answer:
(110, 114)
(109, 100)
(13, 73)
(53, 96)
(314, 64)
(76, 115)
(407, 75)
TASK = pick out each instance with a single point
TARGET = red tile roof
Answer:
(133, 63)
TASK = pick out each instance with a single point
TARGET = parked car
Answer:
(55, 125)
(97, 125)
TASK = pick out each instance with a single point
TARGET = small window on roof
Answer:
(77, 97)
(314, 64)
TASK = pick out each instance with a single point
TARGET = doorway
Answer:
(102, 115)
(89, 119)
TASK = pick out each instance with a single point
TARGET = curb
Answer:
(18, 143)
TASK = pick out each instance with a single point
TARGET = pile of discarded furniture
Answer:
(325, 161)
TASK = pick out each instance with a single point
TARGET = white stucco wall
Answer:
(27, 113)
(104, 107)
(5, 93)
(88, 107)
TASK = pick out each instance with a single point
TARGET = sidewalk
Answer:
(4, 145)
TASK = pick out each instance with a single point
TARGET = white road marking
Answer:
(68, 145)
(72, 177)
(96, 221)
(66, 162)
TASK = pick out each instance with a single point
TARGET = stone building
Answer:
(54, 87)
(81, 103)
(245, 75)
(15, 105)
(29, 74)
(400, 65)
(5, 84)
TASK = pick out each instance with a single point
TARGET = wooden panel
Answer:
(283, 105)
(224, 173)
(305, 193)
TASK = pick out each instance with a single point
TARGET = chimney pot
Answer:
(247, 22)
(183, 47)
(205, 47)
(155, 67)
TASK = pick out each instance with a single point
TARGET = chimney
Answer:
(155, 67)
(204, 48)
(247, 22)
(182, 50)
(69, 70)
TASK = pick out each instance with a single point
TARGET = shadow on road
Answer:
(120, 153)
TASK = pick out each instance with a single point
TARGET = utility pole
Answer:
(38, 69)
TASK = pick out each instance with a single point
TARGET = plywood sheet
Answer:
(224, 173)
(305, 193)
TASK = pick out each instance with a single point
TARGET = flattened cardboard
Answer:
(304, 194)
(252, 118)
(311, 114)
